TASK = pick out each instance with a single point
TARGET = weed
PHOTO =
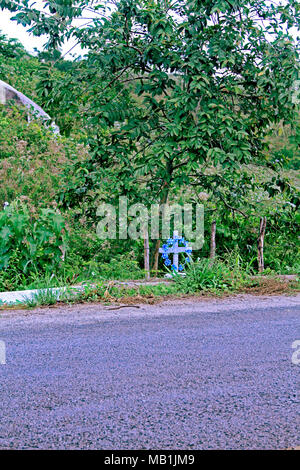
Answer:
(42, 297)
(216, 275)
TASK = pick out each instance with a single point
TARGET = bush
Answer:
(120, 268)
(33, 159)
(31, 242)
(206, 274)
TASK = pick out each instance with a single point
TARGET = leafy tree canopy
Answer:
(167, 87)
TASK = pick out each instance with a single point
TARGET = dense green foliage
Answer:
(31, 243)
(32, 159)
(182, 102)
(214, 275)
(17, 67)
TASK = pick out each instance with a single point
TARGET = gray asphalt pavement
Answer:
(181, 375)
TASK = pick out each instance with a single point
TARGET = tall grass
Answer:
(207, 274)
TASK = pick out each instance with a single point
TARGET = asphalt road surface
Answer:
(185, 375)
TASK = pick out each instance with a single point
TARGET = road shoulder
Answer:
(238, 302)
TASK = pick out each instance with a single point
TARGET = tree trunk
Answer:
(146, 254)
(155, 254)
(260, 244)
(212, 254)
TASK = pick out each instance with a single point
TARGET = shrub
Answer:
(206, 274)
(120, 268)
(31, 242)
(33, 159)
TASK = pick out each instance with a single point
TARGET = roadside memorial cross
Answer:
(172, 247)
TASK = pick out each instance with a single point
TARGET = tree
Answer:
(169, 87)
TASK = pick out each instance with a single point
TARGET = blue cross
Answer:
(175, 249)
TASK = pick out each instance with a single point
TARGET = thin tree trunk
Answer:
(146, 254)
(260, 244)
(155, 254)
(212, 254)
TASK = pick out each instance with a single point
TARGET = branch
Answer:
(179, 165)
(232, 208)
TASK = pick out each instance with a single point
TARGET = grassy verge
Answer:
(203, 278)
(112, 293)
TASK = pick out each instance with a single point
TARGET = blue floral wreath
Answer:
(165, 255)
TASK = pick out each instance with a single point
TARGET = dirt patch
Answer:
(272, 286)
(261, 286)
